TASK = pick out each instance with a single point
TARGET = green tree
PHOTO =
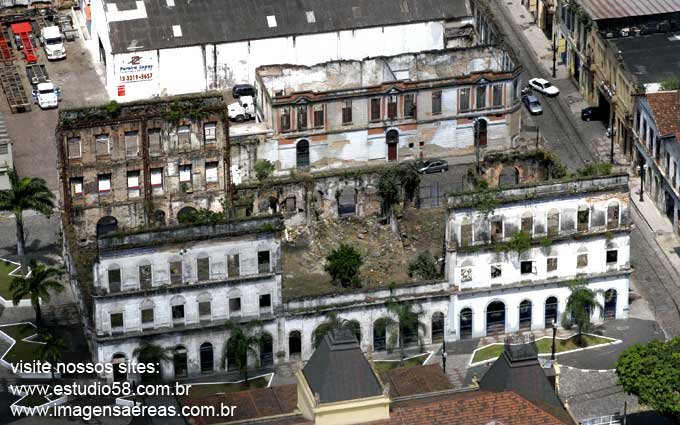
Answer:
(388, 189)
(25, 193)
(410, 180)
(244, 340)
(652, 372)
(581, 302)
(36, 286)
(51, 350)
(263, 168)
(424, 266)
(343, 265)
(404, 324)
(149, 353)
(334, 322)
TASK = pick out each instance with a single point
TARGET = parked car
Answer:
(533, 105)
(591, 113)
(242, 90)
(544, 86)
(434, 166)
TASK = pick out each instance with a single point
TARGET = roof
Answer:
(666, 109)
(338, 370)
(407, 381)
(609, 9)
(651, 58)
(222, 21)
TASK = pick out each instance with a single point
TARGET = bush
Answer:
(263, 169)
(343, 265)
(595, 170)
(423, 266)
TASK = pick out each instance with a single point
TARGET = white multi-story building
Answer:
(6, 163)
(578, 229)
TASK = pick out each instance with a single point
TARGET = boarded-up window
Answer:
(76, 186)
(203, 269)
(466, 234)
(581, 261)
(347, 112)
(233, 267)
(147, 315)
(145, 276)
(185, 173)
(211, 172)
(285, 119)
(551, 264)
(301, 117)
(133, 184)
(437, 102)
(155, 142)
(156, 177)
(210, 132)
(101, 145)
(289, 204)
(583, 218)
(497, 95)
(527, 224)
(73, 147)
(613, 215)
(131, 144)
(375, 109)
(481, 97)
(392, 107)
(496, 229)
(114, 280)
(263, 264)
(464, 100)
(175, 272)
(184, 136)
(410, 105)
(319, 115)
(553, 223)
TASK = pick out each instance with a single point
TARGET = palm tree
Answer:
(581, 302)
(244, 339)
(25, 193)
(154, 354)
(334, 322)
(52, 349)
(407, 321)
(37, 286)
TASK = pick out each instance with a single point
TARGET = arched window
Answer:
(465, 323)
(437, 327)
(610, 298)
(583, 218)
(482, 132)
(295, 344)
(180, 361)
(525, 309)
(509, 176)
(380, 334)
(553, 222)
(207, 361)
(118, 360)
(158, 217)
(302, 154)
(186, 215)
(550, 314)
(106, 225)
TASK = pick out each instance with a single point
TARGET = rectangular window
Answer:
(211, 172)
(497, 230)
(203, 269)
(612, 256)
(104, 183)
(464, 100)
(131, 144)
(155, 142)
(157, 177)
(265, 302)
(145, 276)
(410, 105)
(319, 115)
(175, 272)
(481, 97)
(527, 224)
(185, 173)
(184, 136)
(551, 264)
(210, 132)
(347, 112)
(263, 265)
(114, 280)
(116, 321)
(234, 306)
(496, 271)
(376, 105)
(4, 149)
(233, 267)
(392, 107)
(285, 119)
(73, 145)
(497, 95)
(178, 313)
(133, 184)
(147, 316)
(581, 261)
(526, 267)
(101, 145)
(76, 186)
(302, 117)
(437, 102)
(204, 310)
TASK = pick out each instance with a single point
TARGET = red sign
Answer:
(121, 90)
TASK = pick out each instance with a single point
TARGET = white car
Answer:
(544, 86)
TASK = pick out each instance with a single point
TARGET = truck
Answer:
(53, 41)
(46, 95)
(37, 73)
(243, 109)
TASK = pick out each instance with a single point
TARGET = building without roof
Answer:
(169, 47)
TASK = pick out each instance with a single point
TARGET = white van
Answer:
(53, 42)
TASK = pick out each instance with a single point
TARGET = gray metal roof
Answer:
(221, 21)
(610, 9)
(651, 58)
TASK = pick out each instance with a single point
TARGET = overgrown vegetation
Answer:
(670, 85)
(486, 203)
(343, 265)
(595, 170)
(423, 266)
(263, 169)
(519, 242)
(113, 108)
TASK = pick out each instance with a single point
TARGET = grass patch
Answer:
(544, 346)
(204, 390)
(33, 400)
(5, 279)
(22, 350)
(382, 366)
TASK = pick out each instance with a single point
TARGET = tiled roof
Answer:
(610, 9)
(409, 381)
(666, 109)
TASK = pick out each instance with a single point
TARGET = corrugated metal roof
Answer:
(611, 9)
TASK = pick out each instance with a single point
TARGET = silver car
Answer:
(434, 166)
(532, 104)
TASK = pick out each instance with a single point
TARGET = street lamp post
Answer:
(611, 136)
(554, 328)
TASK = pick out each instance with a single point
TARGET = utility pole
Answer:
(475, 125)
(554, 328)
(444, 355)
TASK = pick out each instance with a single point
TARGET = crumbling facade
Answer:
(142, 164)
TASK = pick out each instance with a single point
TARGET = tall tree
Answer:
(404, 323)
(152, 354)
(581, 303)
(244, 339)
(51, 350)
(36, 286)
(652, 372)
(25, 193)
(343, 264)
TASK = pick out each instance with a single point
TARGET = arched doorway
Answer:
(295, 344)
(266, 350)
(669, 203)
(550, 315)
(509, 176)
(231, 355)
(106, 225)
(180, 361)
(158, 217)
(525, 315)
(355, 327)
(207, 361)
(118, 360)
(482, 132)
(302, 155)
(347, 202)
(495, 318)
(380, 335)
(437, 327)
(610, 304)
(392, 139)
(186, 215)
(465, 323)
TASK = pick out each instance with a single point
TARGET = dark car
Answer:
(591, 113)
(532, 104)
(242, 90)
(434, 166)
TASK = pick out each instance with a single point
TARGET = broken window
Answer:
(145, 276)
(73, 145)
(553, 222)
(157, 180)
(612, 256)
(527, 224)
(526, 267)
(289, 204)
(466, 234)
(76, 186)
(233, 269)
(178, 313)
(437, 102)
(101, 145)
(496, 229)
(263, 265)
(184, 136)
(410, 105)
(583, 218)
(376, 105)
(204, 310)
(285, 119)
(496, 271)
(114, 280)
(464, 100)
(466, 274)
(175, 272)
(497, 95)
(481, 97)
(155, 142)
(116, 321)
(147, 316)
(104, 183)
(347, 112)
(392, 107)
(133, 184)
(211, 172)
(581, 261)
(319, 115)
(302, 117)
(551, 264)
(235, 306)
(613, 215)
(210, 132)
(203, 269)
(266, 302)
(131, 144)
